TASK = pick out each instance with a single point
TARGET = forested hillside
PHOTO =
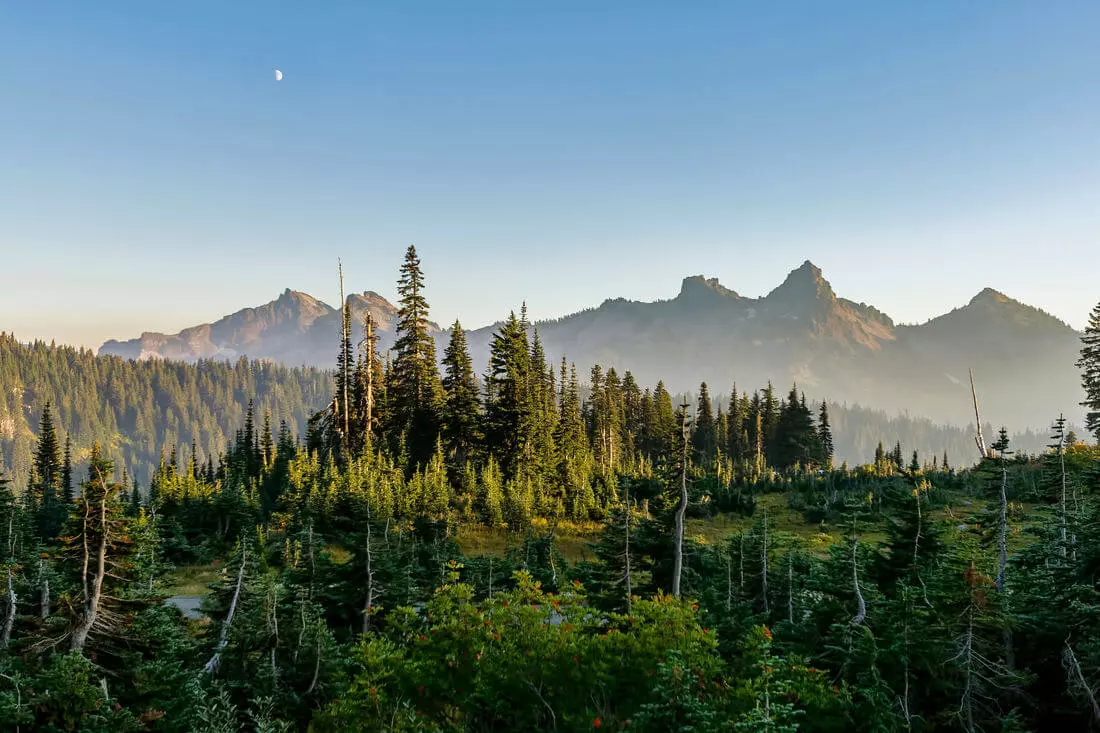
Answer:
(435, 554)
(136, 410)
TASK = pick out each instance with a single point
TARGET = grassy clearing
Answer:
(192, 580)
(573, 539)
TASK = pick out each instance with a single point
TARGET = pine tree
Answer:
(460, 408)
(414, 381)
(1089, 364)
(825, 437)
(508, 419)
(704, 437)
(47, 469)
(796, 439)
(267, 446)
(67, 495)
(735, 428)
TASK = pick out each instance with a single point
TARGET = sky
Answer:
(154, 175)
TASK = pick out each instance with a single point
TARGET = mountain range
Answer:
(801, 332)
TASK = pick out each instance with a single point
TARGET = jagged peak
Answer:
(804, 283)
(700, 284)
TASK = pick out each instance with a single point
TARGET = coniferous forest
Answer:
(407, 544)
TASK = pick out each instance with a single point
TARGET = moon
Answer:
(278, 75)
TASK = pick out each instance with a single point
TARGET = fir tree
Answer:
(47, 469)
(704, 437)
(1089, 364)
(460, 407)
(825, 437)
(67, 495)
(796, 439)
(508, 415)
(414, 380)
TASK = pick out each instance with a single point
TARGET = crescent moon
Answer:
(278, 75)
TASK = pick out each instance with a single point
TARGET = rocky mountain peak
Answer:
(804, 287)
(697, 285)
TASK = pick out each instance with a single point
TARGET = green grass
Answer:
(573, 539)
(192, 580)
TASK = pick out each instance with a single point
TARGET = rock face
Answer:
(293, 329)
(1023, 358)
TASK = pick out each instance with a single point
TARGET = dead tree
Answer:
(345, 314)
(43, 591)
(764, 565)
(979, 439)
(223, 640)
(95, 535)
(1061, 422)
(861, 604)
(9, 614)
(678, 556)
(1077, 681)
(626, 545)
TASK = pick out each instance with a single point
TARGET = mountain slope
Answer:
(294, 329)
(799, 332)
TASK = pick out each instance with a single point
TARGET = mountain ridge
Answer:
(800, 331)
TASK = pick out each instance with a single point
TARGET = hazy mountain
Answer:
(1023, 358)
(293, 329)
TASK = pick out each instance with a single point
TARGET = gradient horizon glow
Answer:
(155, 175)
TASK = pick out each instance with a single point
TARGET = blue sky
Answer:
(153, 174)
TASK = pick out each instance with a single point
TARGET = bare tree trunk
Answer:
(92, 600)
(273, 627)
(979, 439)
(43, 592)
(678, 557)
(1062, 467)
(9, 616)
(920, 521)
(741, 564)
(1002, 539)
(370, 375)
(345, 314)
(966, 704)
(764, 565)
(729, 579)
(626, 546)
(790, 588)
(316, 666)
(223, 641)
(368, 606)
(312, 562)
(861, 605)
(1077, 680)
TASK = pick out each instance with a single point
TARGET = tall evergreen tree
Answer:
(796, 440)
(1089, 364)
(414, 381)
(67, 495)
(47, 468)
(704, 437)
(460, 408)
(507, 408)
(825, 437)
(735, 428)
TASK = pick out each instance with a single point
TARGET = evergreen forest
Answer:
(410, 544)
